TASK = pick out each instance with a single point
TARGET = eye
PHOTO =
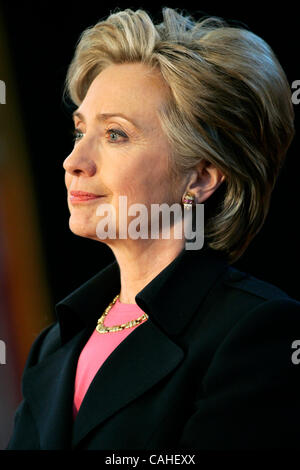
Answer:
(77, 134)
(116, 132)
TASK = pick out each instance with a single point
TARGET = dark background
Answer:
(41, 39)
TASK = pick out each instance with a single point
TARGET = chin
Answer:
(82, 230)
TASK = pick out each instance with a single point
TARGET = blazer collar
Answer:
(170, 299)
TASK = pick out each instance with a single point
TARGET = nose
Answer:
(79, 162)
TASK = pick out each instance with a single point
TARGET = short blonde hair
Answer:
(229, 104)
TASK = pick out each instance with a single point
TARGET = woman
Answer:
(170, 346)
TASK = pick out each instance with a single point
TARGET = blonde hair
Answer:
(229, 104)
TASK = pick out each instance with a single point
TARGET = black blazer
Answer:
(210, 369)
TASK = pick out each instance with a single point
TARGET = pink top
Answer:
(100, 346)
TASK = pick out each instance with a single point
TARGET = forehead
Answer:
(126, 87)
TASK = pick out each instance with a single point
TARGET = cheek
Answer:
(122, 182)
(155, 176)
(142, 178)
(123, 177)
(138, 184)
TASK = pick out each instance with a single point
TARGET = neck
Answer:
(142, 262)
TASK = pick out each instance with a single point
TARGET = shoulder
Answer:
(47, 341)
(244, 294)
(240, 304)
(263, 336)
(248, 396)
(259, 344)
(265, 301)
(243, 282)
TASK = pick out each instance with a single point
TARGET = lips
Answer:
(82, 196)
(83, 193)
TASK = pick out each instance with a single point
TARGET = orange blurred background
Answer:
(24, 297)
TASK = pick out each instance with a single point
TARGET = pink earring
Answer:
(188, 200)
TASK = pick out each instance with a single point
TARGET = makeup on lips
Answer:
(82, 196)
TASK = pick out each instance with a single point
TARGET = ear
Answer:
(204, 180)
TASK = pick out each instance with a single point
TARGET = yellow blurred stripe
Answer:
(29, 297)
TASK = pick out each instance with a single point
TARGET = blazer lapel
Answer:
(171, 299)
(49, 388)
(134, 367)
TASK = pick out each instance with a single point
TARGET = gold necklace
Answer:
(101, 328)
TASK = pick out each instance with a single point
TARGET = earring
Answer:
(188, 200)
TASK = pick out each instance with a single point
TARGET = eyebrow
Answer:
(101, 117)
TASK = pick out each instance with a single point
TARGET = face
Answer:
(119, 155)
